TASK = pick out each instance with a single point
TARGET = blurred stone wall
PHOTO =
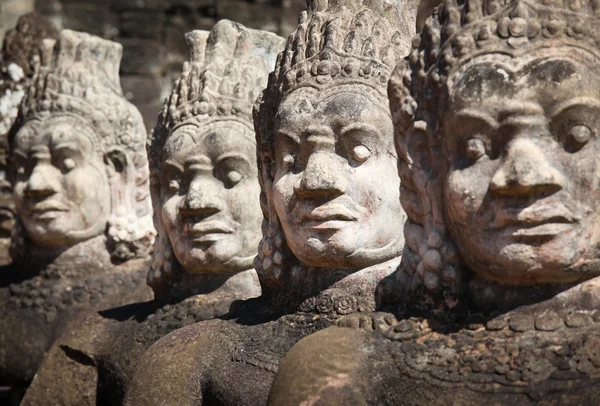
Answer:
(151, 32)
(10, 11)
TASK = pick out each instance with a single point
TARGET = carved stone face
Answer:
(336, 187)
(521, 193)
(61, 190)
(210, 197)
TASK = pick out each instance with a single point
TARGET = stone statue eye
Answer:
(578, 136)
(361, 153)
(69, 164)
(174, 185)
(475, 149)
(234, 177)
(288, 160)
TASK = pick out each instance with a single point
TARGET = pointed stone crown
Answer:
(343, 41)
(466, 29)
(79, 75)
(228, 69)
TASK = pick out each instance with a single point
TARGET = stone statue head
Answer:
(496, 116)
(79, 166)
(19, 57)
(203, 156)
(327, 164)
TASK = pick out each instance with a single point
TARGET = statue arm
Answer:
(322, 369)
(68, 375)
(169, 373)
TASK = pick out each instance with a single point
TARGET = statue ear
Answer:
(117, 162)
(121, 178)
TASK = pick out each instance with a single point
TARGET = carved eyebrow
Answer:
(517, 110)
(21, 154)
(477, 115)
(289, 135)
(318, 130)
(363, 127)
(66, 145)
(232, 155)
(173, 165)
(199, 162)
(576, 101)
(320, 134)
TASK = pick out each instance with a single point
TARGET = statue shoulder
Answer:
(173, 370)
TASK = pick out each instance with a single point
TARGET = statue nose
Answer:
(321, 176)
(202, 198)
(42, 182)
(526, 170)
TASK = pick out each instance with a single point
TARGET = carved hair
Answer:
(337, 42)
(228, 68)
(20, 51)
(458, 32)
(78, 78)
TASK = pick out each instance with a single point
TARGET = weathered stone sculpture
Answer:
(18, 58)
(330, 197)
(496, 128)
(207, 213)
(80, 178)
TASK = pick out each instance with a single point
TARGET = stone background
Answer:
(151, 32)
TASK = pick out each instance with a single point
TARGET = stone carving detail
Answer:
(497, 295)
(203, 154)
(330, 199)
(19, 56)
(207, 213)
(81, 187)
(529, 220)
(77, 86)
(332, 73)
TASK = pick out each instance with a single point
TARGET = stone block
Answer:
(93, 18)
(141, 24)
(142, 56)
(140, 89)
(120, 5)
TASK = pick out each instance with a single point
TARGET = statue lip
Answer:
(332, 215)
(548, 219)
(207, 230)
(47, 209)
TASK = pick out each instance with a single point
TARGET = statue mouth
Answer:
(328, 216)
(537, 221)
(207, 230)
(46, 210)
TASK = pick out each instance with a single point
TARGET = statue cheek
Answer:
(283, 190)
(19, 192)
(463, 195)
(169, 213)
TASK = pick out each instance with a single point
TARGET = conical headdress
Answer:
(228, 69)
(343, 41)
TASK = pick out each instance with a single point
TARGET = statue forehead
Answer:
(547, 77)
(343, 101)
(55, 128)
(211, 139)
(551, 66)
